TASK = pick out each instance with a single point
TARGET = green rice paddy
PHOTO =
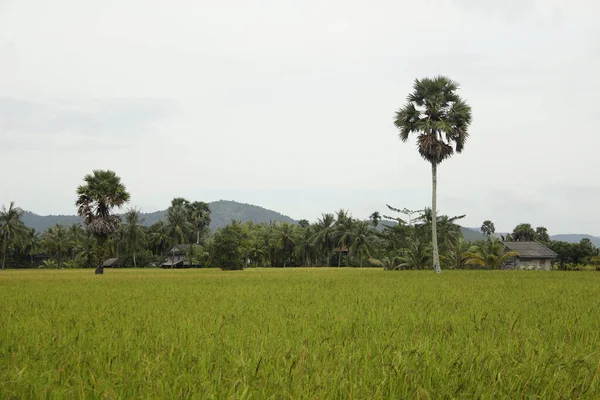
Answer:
(299, 333)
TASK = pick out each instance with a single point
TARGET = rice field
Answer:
(299, 333)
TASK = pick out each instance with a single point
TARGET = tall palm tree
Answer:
(324, 236)
(362, 244)
(440, 119)
(490, 254)
(133, 231)
(11, 228)
(96, 199)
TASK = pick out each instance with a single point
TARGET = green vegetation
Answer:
(299, 333)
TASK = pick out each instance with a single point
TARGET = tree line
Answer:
(393, 242)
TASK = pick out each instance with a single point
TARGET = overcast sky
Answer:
(290, 105)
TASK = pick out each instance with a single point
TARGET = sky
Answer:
(290, 105)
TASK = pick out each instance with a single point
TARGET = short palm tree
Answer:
(440, 119)
(490, 254)
(11, 228)
(96, 199)
(416, 256)
(457, 257)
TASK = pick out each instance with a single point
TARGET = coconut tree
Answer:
(456, 257)
(11, 228)
(133, 231)
(440, 119)
(158, 237)
(31, 243)
(96, 200)
(287, 237)
(86, 248)
(416, 256)
(343, 234)
(324, 236)
(57, 242)
(305, 248)
(490, 254)
(362, 244)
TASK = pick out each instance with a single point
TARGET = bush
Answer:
(227, 249)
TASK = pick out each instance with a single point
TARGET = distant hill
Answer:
(576, 238)
(222, 212)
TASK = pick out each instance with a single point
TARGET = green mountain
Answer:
(222, 212)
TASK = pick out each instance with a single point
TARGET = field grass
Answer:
(299, 333)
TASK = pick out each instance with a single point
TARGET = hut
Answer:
(176, 257)
(532, 255)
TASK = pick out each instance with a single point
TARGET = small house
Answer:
(531, 255)
(176, 257)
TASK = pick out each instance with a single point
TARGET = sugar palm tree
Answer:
(133, 231)
(200, 216)
(490, 254)
(96, 199)
(11, 228)
(440, 119)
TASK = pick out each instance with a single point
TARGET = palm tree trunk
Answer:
(434, 241)
(198, 236)
(101, 248)
(340, 258)
(134, 264)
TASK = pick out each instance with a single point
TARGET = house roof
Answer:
(180, 248)
(110, 262)
(530, 249)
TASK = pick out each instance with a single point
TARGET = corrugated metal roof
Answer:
(110, 262)
(530, 249)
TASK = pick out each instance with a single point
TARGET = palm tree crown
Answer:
(438, 116)
(102, 192)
